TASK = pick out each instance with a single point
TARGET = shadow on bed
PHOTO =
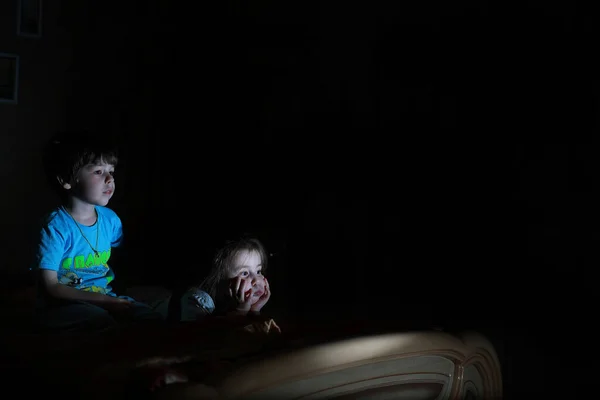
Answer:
(232, 359)
(224, 358)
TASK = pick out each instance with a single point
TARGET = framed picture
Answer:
(9, 78)
(29, 18)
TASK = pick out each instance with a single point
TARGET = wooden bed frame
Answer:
(423, 365)
(365, 364)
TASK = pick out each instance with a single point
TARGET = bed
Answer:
(404, 365)
(226, 360)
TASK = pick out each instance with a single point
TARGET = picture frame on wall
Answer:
(29, 18)
(9, 78)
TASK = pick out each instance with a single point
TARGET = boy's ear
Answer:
(63, 183)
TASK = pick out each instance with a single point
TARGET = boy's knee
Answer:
(101, 320)
(143, 312)
(76, 317)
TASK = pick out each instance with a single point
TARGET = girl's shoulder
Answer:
(202, 298)
(196, 302)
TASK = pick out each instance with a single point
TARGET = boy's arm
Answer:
(49, 280)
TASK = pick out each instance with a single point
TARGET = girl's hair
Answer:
(222, 262)
(68, 152)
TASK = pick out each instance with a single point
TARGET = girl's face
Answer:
(247, 265)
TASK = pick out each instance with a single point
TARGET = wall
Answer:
(44, 82)
(398, 162)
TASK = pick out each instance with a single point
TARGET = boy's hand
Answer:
(240, 291)
(118, 306)
(262, 300)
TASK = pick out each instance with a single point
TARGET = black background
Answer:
(420, 162)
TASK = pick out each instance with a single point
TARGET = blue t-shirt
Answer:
(63, 248)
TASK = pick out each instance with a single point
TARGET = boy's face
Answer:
(95, 183)
(248, 266)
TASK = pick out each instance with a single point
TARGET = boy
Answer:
(74, 292)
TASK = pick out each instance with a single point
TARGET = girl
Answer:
(234, 288)
(236, 280)
(235, 285)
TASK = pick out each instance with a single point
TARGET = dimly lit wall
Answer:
(359, 142)
(398, 162)
(44, 85)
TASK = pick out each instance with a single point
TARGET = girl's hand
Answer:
(240, 291)
(262, 300)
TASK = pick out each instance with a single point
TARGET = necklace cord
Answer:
(81, 231)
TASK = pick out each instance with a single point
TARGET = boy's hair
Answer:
(224, 257)
(66, 153)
